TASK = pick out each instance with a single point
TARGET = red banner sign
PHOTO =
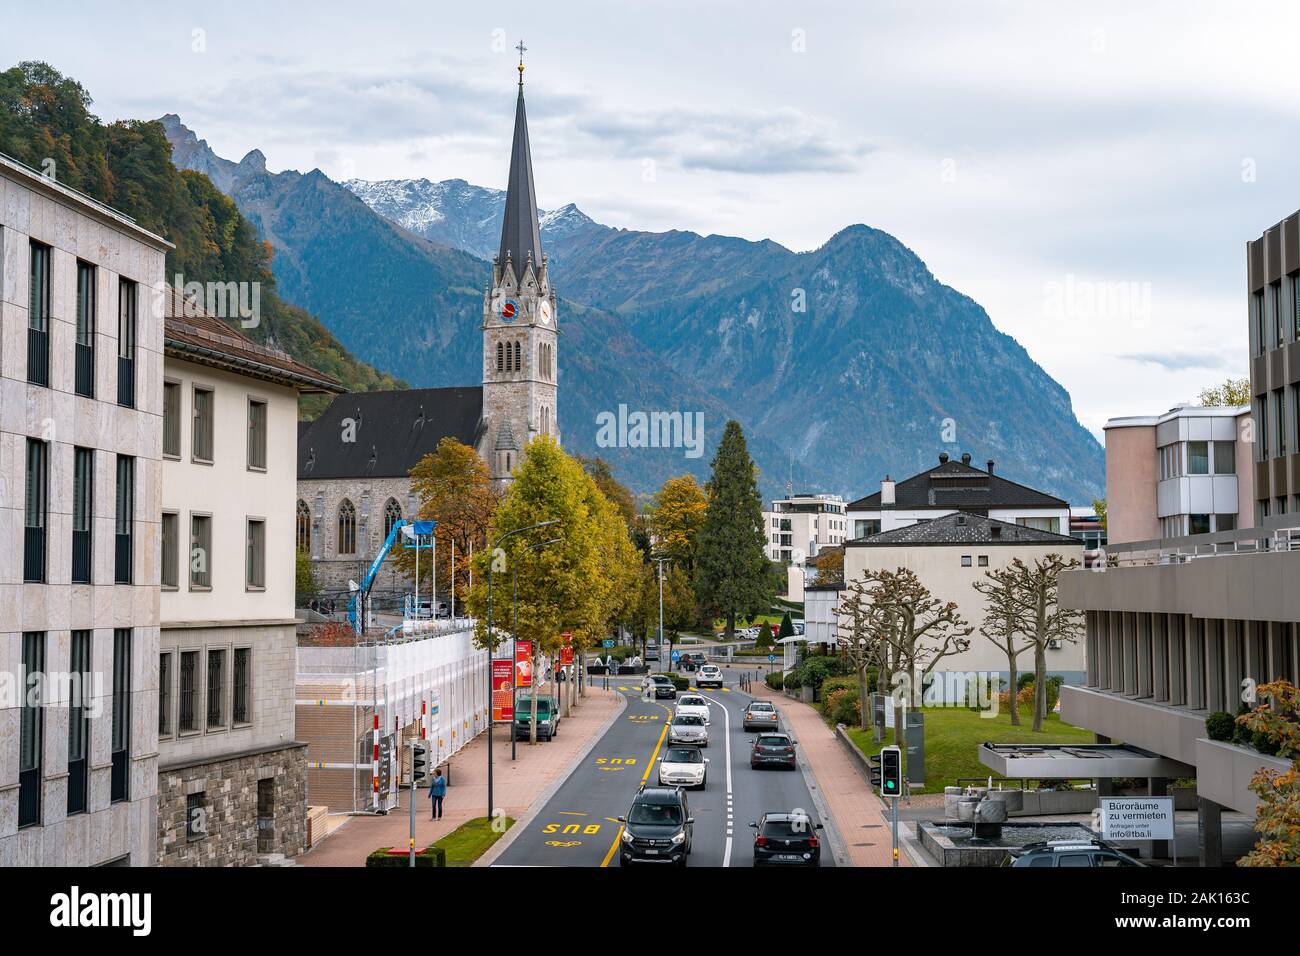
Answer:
(523, 663)
(503, 688)
(566, 655)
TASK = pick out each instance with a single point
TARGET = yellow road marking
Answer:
(571, 813)
(650, 766)
(612, 847)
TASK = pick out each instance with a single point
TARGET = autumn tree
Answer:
(830, 566)
(617, 493)
(1277, 817)
(455, 489)
(1233, 393)
(732, 571)
(675, 515)
(1002, 623)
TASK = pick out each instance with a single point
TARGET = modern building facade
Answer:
(800, 526)
(1273, 293)
(81, 356)
(232, 775)
(1188, 471)
(949, 555)
(953, 486)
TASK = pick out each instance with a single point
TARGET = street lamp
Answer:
(514, 632)
(660, 559)
(492, 647)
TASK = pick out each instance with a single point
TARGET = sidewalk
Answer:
(858, 814)
(516, 786)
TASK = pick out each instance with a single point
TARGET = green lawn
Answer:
(953, 736)
(470, 840)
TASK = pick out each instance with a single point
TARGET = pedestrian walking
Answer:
(437, 790)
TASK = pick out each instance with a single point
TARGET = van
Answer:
(548, 717)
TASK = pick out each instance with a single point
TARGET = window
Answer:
(255, 562)
(1170, 457)
(201, 443)
(171, 549)
(1052, 524)
(347, 528)
(501, 362)
(187, 721)
(121, 712)
(302, 527)
(216, 688)
(126, 311)
(257, 435)
(1295, 296)
(171, 419)
(31, 729)
(124, 520)
(83, 509)
(965, 561)
(518, 363)
(79, 722)
(1225, 458)
(1279, 421)
(38, 316)
(1198, 458)
(392, 515)
(1257, 307)
(200, 551)
(165, 694)
(1198, 524)
(983, 560)
(1225, 522)
(36, 510)
(240, 710)
(85, 347)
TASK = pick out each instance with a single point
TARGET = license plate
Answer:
(652, 852)
(788, 856)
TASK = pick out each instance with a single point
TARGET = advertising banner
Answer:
(503, 706)
(523, 663)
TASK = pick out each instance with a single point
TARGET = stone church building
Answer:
(355, 458)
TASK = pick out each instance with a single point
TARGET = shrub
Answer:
(429, 856)
(775, 680)
(1220, 725)
(813, 671)
(1265, 743)
(793, 681)
(842, 705)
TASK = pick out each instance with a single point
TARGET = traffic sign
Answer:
(607, 642)
(677, 655)
(771, 658)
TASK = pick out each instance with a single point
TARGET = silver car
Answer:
(688, 729)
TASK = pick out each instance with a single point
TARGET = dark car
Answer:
(1073, 853)
(786, 839)
(662, 686)
(691, 660)
(657, 828)
(772, 750)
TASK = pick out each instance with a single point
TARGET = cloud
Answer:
(1178, 361)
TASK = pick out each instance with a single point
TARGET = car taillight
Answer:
(760, 841)
(812, 842)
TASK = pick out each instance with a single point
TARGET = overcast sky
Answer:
(1089, 175)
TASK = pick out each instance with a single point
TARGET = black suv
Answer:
(773, 750)
(786, 839)
(662, 685)
(657, 828)
(1076, 853)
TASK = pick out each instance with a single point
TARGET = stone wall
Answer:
(323, 499)
(229, 809)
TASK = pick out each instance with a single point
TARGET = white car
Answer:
(683, 767)
(710, 675)
(692, 704)
(688, 729)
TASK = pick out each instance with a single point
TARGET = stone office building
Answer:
(80, 395)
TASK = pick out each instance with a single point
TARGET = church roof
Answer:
(520, 235)
(506, 437)
(390, 431)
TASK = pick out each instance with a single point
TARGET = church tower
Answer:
(519, 321)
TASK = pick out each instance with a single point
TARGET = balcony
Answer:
(33, 554)
(38, 356)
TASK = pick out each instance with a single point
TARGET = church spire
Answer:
(520, 236)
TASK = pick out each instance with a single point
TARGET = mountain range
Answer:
(844, 364)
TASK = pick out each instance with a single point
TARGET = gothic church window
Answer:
(347, 528)
(500, 357)
(392, 515)
(303, 527)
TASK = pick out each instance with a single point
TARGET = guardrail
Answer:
(1280, 533)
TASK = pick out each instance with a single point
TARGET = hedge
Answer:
(429, 856)
(775, 680)
(679, 682)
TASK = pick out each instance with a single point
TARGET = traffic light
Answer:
(891, 772)
(419, 762)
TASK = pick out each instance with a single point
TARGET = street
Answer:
(579, 825)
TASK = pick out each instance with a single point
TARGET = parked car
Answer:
(786, 839)
(683, 767)
(710, 675)
(657, 828)
(661, 685)
(693, 704)
(691, 660)
(773, 750)
(548, 717)
(760, 715)
(1075, 853)
(688, 729)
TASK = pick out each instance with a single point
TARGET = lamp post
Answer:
(514, 633)
(659, 559)
(491, 648)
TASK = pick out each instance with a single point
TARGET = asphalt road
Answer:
(579, 824)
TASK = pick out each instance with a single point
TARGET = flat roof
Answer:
(1076, 761)
(1178, 411)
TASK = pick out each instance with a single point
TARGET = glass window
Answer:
(188, 699)
(201, 445)
(1198, 458)
(165, 694)
(200, 551)
(1074, 859)
(392, 515)
(126, 314)
(303, 527)
(1225, 522)
(31, 731)
(216, 688)
(257, 435)
(36, 510)
(965, 561)
(347, 528)
(85, 348)
(79, 722)
(83, 460)
(121, 730)
(124, 519)
(172, 419)
(1225, 458)
(255, 565)
(983, 560)
(1279, 420)
(171, 540)
(240, 709)
(1198, 524)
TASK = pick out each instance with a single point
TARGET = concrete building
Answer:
(1273, 300)
(800, 526)
(353, 461)
(953, 486)
(232, 775)
(1188, 471)
(81, 357)
(949, 554)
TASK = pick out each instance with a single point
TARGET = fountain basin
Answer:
(959, 844)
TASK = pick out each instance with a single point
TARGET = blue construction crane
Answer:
(420, 529)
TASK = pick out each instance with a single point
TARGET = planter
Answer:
(807, 695)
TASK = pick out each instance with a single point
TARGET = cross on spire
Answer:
(522, 49)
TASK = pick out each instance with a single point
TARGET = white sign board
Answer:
(1137, 818)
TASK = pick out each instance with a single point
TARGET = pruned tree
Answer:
(860, 622)
(1001, 624)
